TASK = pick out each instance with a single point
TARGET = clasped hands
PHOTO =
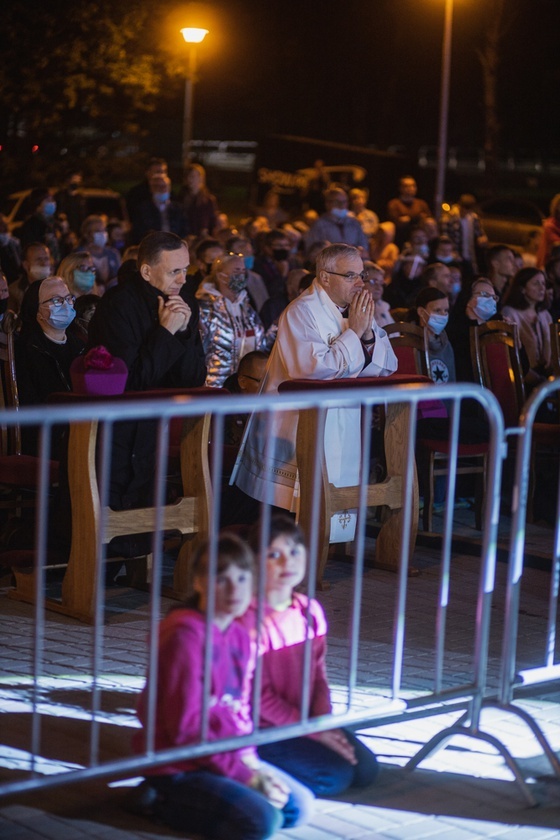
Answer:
(361, 312)
(174, 314)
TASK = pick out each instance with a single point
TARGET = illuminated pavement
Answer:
(462, 792)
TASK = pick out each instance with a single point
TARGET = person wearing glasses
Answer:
(80, 274)
(45, 349)
(229, 325)
(374, 280)
(481, 306)
(327, 332)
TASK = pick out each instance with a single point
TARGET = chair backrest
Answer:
(496, 363)
(10, 438)
(410, 343)
(555, 347)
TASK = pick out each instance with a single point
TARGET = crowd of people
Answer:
(185, 298)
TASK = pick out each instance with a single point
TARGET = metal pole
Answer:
(188, 109)
(444, 108)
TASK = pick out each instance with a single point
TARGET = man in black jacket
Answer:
(150, 322)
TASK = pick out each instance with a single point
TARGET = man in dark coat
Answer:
(150, 323)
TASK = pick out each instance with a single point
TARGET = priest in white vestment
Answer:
(328, 332)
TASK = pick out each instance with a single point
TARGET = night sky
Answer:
(368, 71)
(358, 71)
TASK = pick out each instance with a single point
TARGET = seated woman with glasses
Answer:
(480, 306)
(229, 325)
(80, 274)
(44, 348)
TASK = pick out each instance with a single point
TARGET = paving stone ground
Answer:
(462, 792)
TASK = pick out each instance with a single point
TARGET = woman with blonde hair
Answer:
(80, 274)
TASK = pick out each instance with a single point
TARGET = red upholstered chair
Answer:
(410, 343)
(18, 472)
(496, 362)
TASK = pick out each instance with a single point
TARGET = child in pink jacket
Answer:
(231, 794)
(327, 762)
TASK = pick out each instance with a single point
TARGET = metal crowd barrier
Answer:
(395, 695)
(544, 677)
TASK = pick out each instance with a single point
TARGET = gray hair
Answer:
(328, 257)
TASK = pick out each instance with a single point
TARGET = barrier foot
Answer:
(442, 739)
(535, 729)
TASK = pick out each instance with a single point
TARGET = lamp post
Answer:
(443, 108)
(192, 36)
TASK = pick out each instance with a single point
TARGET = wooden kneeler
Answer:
(388, 493)
(188, 515)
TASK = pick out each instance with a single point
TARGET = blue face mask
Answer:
(161, 197)
(444, 259)
(84, 280)
(49, 208)
(249, 262)
(61, 316)
(456, 288)
(437, 323)
(339, 212)
(485, 308)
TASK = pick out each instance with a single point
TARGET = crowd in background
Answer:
(243, 275)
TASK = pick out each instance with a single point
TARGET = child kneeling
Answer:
(327, 762)
(233, 794)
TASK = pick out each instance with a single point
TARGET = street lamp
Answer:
(192, 36)
(443, 108)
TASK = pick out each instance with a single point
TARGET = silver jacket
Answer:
(229, 331)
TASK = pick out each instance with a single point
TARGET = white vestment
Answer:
(313, 342)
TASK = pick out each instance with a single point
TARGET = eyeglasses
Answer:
(58, 301)
(86, 268)
(352, 275)
(487, 295)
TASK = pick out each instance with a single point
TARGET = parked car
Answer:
(98, 201)
(509, 220)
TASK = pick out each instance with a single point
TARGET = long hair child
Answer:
(232, 794)
(327, 762)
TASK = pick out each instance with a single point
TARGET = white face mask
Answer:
(39, 272)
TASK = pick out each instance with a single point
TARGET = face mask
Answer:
(444, 259)
(100, 238)
(39, 272)
(84, 280)
(4, 239)
(280, 254)
(161, 198)
(437, 323)
(339, 212)
(61, 316)
(249, 262)
(49, 208)
(485, 308)
(237, 282)
(119, 244)
(424, 250)
(455, 289)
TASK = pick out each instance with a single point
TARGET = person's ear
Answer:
(145, 271)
